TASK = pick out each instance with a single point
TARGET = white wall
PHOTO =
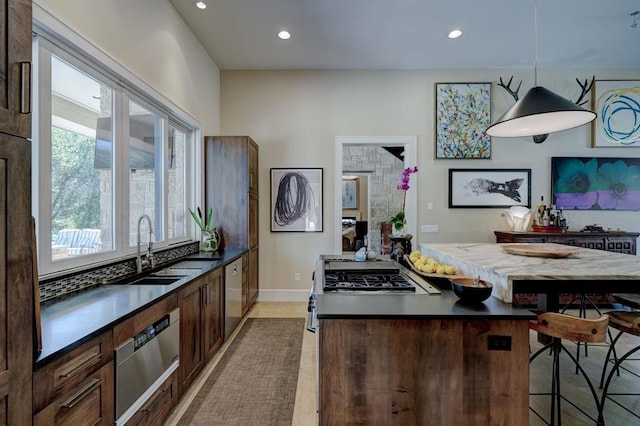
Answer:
(150, 39)
(295, 116)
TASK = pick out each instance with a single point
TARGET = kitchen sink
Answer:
(156, 280)
(176, 272)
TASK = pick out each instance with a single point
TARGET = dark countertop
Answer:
(77, 319)
(414, 306)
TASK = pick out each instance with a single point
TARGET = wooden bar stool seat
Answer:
(624, 322)
(567, 327)
(584, 303)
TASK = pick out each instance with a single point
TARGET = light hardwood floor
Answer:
(572, 385)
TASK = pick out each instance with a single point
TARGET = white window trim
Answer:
(51, 28)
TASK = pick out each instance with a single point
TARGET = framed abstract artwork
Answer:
(617, 104)
(463, 113)
(592, 183)
(296, 200)
(350, 193)
(482, 188)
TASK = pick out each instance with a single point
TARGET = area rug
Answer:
(255, 381)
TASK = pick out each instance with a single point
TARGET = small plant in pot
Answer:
(210, 236)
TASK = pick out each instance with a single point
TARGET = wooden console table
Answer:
(618, 242)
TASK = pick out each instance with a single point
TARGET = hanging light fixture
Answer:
(540, 111)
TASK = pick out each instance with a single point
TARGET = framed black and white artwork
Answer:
(489, 188)
(296, 200)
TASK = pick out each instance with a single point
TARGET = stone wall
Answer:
(384, 172)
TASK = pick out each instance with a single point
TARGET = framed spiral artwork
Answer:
(296, 200)
(617, 103)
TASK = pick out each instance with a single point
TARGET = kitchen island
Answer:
(427, 358)
(586, 271)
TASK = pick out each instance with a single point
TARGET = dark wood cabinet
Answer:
(201, 325)
(78, 387)
(158, 406)
(619, 242)
(232, 191)
(16, 279)
(15, 68)
(213, 314)
(16, 282)
(422, 372)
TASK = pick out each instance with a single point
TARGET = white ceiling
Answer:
(412, 34)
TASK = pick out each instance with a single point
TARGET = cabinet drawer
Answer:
(66, 372)
(89, 402)
(140, 321)
(159, 405)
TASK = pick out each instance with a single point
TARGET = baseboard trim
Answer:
(283, 295)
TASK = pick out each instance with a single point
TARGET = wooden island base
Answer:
(423, 372)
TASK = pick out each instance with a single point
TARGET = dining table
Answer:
(575, 270)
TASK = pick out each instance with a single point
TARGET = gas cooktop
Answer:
(341, 280)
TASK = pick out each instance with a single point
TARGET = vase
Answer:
(398, 232)
(210, 241)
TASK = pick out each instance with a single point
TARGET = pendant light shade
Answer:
(540, 112)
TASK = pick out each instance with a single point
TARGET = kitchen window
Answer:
(105, 153)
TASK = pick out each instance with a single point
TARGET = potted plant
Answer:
(210, 236)
(398, 220)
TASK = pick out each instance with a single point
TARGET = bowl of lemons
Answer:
(428, 265)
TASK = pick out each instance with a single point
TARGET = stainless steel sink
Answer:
(156, 280)
(180, 272)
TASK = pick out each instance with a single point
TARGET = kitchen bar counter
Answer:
(588, 270)
(76, 319)
(388, 358)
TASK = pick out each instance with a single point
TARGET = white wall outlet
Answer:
(296, 276)
(429, 206)
(429, 229)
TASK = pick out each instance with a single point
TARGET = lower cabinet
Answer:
(253, 276)
(159, 405)
(245, 284)
(201, 325)
(77, 388)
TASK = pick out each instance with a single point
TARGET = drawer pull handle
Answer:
(25, 88)
(91, 359)
(155, 401)
(84, 392)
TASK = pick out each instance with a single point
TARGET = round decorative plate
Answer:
(538, 250)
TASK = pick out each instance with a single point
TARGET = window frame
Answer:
(125, 88)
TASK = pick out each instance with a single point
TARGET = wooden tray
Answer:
(432, 275)
(538, 250)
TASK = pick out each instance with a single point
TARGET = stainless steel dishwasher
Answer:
(232, 296)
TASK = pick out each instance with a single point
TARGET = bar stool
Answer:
(561, 326)
(585, 301)
(624, 322)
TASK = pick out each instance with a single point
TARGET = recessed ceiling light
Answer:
(455, 34)
(201, 5)
(284, 35)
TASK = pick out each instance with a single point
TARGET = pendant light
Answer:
(540, 111)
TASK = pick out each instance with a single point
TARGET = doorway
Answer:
(409, 145)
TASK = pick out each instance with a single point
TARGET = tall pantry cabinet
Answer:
(16, 280)
(231, 188)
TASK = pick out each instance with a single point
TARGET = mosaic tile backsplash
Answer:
(58, 287)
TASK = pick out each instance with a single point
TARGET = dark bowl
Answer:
(470, 290)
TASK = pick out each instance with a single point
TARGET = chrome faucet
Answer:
(149, 259)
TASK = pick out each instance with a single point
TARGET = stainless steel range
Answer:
(345, 276)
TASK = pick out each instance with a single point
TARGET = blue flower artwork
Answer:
(596, 183)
